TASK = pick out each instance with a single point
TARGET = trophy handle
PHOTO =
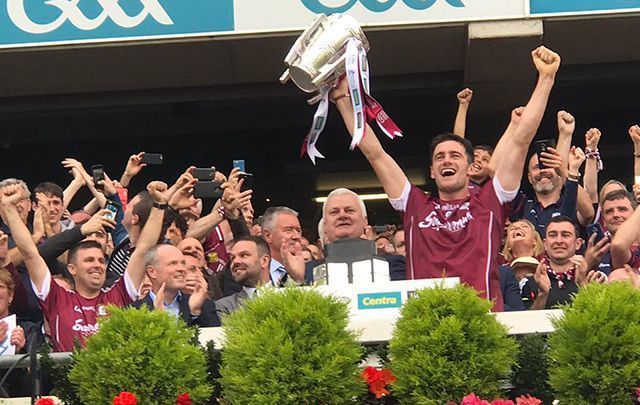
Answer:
(293, 52)
(285, 77)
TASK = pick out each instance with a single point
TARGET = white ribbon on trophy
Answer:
(330, 47)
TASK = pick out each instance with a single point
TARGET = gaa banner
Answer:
(51, 22)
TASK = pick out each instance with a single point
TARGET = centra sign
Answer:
(380, 300)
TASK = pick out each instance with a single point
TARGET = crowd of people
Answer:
(59, 269)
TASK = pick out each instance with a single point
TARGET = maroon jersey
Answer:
(71, 316)
(215, 252)
(459, 238)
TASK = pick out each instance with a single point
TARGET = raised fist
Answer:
(158, 191)
(11, 194)
(516, 114)
(592, 138)
(465, 96)
(566, 122)
(546, 61)
(634, 133)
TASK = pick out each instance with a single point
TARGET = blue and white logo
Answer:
(63, 21)
(377, 6)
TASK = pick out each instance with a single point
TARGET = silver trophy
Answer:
(318, 56)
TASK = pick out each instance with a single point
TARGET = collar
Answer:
(175, 299)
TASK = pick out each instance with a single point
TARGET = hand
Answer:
(566, 122)
(77, 177)
(39, 228)
(17, 338)
(159, 192)
(108, 186)
(634, 133)
(184, 178)
(516, 115)
(134, 165)
(592, 138)
(552, 159)
(233, 199)
(541, 277)
(546, 61)
(4, 249)
(98, 222)
(582, 268)
(465, 96)
(636, 192)
(341, 88)
(11, 195)
(199, 294)
(183, 198)
(291, 251)
(596, 277)
(576, 158)
(596, 251)
(76, 168)
(159, 302)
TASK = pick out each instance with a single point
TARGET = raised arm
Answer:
(626, 236)
(36, 265)
(389, 173)
(511, 165)
(72, 189)
(634, 133)
(591, 139)
(505, 139)
(134, 166)
(464, 100)
(566, 127)
(150, 233)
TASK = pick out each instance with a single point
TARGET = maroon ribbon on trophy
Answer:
(365, 108)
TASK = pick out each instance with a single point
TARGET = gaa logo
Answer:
(377, 6)
(70, 11)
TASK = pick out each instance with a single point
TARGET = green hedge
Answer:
(290, 347)
(595, 350)
(446, 345)
(148, 353)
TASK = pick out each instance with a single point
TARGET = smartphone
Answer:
(239, 164)
(113, 208)
(541, 146)
(248, 181)
(98, 175)
(204, 173)
(207, 189)
(152, 158)
(597, 229)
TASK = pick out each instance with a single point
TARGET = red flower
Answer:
(502, 402)
(378, 380)
(472, 399)
(183, 399)
(125, 398)
(528, 400)
(45, 401)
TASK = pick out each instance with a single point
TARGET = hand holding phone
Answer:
(113, 208)
(541, 146)
(97, 172)
(152, 158)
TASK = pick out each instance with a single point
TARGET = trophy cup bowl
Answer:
(318, 55)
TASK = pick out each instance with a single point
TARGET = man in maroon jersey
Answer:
(73, 315)
(458, 234)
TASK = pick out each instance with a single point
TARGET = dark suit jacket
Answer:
(510, 290)
(396, 268)
(208, 317)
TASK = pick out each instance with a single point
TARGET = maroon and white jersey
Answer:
(458, 238)
(71, 316)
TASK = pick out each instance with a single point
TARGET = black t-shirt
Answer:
(557, 295)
